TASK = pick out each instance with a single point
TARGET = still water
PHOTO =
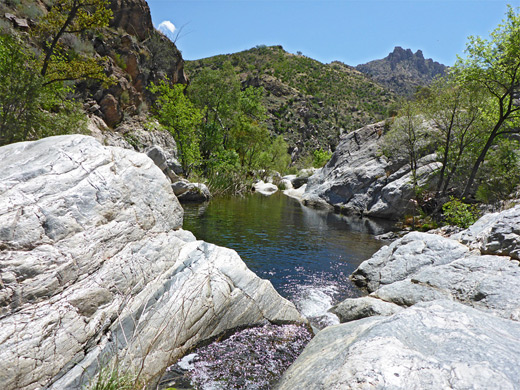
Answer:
(306, 254)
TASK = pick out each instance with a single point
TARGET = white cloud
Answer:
(166, 27)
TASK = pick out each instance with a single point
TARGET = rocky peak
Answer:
(403, 71)
(133, 16)
(399, 54)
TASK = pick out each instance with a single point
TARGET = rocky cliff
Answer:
(360, 180)
(403, 71)
(134, 53)
(133, 16)
(138, 55)
(95, 266)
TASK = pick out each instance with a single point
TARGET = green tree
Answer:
(181, 118)
(29, 107)
(232, 118)
(500, 171)
(216, 93)
(248, 135)
(275, 157)
(456, 112)
(73, 17)
(409, 138)
(494, 66)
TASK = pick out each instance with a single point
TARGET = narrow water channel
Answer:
(306, 254)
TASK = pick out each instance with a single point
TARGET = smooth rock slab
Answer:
(94, 264)
(435, 345)
(490, 283)
(359, 179)
(356, 308)
(405, 257)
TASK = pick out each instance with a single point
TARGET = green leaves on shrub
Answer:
(321, 157)
(178, 114)
(31, 108)
(460, 214)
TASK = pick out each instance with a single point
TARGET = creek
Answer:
(306, 254)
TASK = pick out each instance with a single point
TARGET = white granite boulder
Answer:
(94, 264)
(432, 345)
(359, 179)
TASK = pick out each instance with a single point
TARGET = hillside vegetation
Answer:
(308, 102)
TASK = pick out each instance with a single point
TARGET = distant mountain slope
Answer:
(310, 103)
(402, 71)
(136, 54)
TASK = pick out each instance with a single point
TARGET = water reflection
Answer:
(306, 254)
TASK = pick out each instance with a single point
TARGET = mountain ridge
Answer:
(403, 71)
(310, 103)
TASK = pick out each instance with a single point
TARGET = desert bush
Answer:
(460, 214)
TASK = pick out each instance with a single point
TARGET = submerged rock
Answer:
(265, 188)
(434, 345)
(95, 265)
(253, 358)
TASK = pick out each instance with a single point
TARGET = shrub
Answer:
(460, 214)
(31, 108)
(321, 157)
(500, 172)
(111, 378)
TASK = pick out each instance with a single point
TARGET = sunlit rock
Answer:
(433, 345)
(95, 264)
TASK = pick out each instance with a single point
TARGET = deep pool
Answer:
(306, 254)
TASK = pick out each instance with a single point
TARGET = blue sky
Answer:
(351, 31)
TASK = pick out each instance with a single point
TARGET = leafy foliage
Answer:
(181, 118)
(460, 214)
(73, 17)
(500, 172)
(30, 108)
(409, 138)
(493, 66)
(320, 158)
(220, 129)
(455, 110)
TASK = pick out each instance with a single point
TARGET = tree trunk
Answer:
(481, 157)
(50, 50)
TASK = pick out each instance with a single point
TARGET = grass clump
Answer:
(112, 378)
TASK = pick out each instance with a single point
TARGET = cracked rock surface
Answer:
(433, 345)
(359, 179)
(423, 267)
(94, 264)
